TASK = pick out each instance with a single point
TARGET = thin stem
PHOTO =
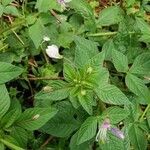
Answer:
(46, 142)
(144, 113)
(105, 34)
(55, 15)
(44, 78)
(10, 145)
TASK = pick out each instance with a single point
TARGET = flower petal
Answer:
(53, 52)
(117, 132)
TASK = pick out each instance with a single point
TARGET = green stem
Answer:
(105, 34)
(10, 145)
(144, 113)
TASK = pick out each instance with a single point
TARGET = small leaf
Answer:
(11, 10)
(120, 61)
(112, 95)
(87, 130)
(34, 118)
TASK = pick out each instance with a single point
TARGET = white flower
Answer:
(46, 38)
(53, 52)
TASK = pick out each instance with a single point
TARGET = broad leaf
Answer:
(141, 64)
(45, 5)
(58, 91)
(8, 72)
(86, 101)
(112, 95)
(120, 61)
(34, 118)
(137, 86)
(4, 100)
(63, 123)
(37, 32)
(20, 135)
(116, 114)
(85, 50)
(109, 16)
(73, 143)
(137, 137)
(1, 10)
(87, 130)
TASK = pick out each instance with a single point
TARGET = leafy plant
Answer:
(74, 74)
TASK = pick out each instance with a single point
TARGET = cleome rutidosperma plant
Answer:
(74, 75)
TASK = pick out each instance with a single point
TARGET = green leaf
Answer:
(112, 95)
(45, 5)
(4, 100)
(10, 145)
(109, 16)
(6, 2)
(37, 32)
(137, 86)
(87, 130)
(116, 114)
(85, 50)
(10, 117)
(1, 10)
(145, 29)
(84, 9)
(107, 48)
(11, 10)
(2, 147)
(114, 143)
(143, 26)
(54, 95)
(141, 64)
(137, 137)
(8, 72)
(69, 71)
(120, 61)
(34, 118)
(86, 101)
(73, 143)
(63, 123)
(20, 135)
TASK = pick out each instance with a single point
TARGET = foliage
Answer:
(102, 72)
